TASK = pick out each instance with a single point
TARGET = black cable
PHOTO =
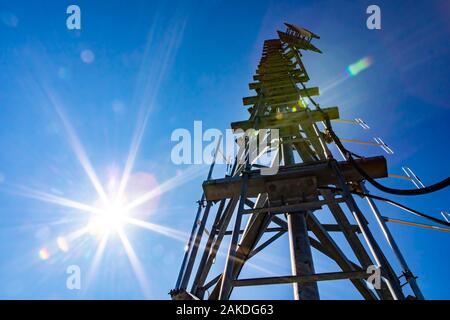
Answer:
(349, 156)
(408, 192)
(394, 203)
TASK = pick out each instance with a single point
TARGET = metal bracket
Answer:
(201, 203)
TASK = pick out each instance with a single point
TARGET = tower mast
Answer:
(289, 200)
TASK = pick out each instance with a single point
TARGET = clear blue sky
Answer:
(180, 61)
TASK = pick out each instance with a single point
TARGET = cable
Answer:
(408, 192)
(394, 203)
(349, 156)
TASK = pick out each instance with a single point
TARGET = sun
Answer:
(110, 219)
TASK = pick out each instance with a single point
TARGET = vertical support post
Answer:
(357, 214)
(375, 211)
(209, 242)
(300, 249)
(301, 256)
(189, 244)
(390, 239)
(198, 238)
(197, 217)
(211, 256)
(227, 278)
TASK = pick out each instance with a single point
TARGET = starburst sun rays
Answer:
(113, 211)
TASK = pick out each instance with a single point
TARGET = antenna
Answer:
(446, 215)
(357, 121)
(378, 143)
(383, 146)
(413, 177)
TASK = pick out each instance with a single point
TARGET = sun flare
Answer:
(109, 220)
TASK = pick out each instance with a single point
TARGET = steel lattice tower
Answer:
(290, 198)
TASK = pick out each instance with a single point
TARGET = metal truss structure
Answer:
(309, 178)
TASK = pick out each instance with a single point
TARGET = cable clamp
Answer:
(201, 203)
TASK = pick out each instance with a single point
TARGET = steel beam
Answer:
(390, 279)
(198, 238)
(228, 276)
(301, 279)
(390, 239)
(302, 263)
(218, 189)
(330, 245)
(212, 249)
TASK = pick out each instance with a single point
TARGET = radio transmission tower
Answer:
(308, 179)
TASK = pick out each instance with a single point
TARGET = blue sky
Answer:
(172, 63)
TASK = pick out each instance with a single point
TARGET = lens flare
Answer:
(44, 254)
(62, 243)
(359, 66)
(87, 56)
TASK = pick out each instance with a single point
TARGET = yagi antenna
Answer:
(446, 216)
(357, 121)
(410, 176)
(362, 123)
(383, 146)
(378, 143)
(413, 177)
